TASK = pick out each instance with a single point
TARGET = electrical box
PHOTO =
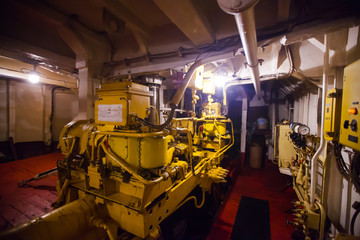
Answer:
(119, 100)
(208, 86)
(196, 81)
(349, 126)
(332, 114)
(284, 151)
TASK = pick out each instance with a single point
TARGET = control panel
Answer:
(350, 118)
(332, 114)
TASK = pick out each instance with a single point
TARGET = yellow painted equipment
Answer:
(293, 159)
(208, 86)
(350, 118)
(284, 151)
(113, 106)
(332, 114)
(131, 176)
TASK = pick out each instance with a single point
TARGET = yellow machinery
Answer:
(350, 118)
(332, 114)
(294, 147)
(123, 174)
(341, 118)
(283, 148)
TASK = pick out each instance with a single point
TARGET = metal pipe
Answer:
(154, 101)
(67, 222)
(243, 11)
(180, 92)
(322, 140)
(100, 223)
(132, 134)
(245, 22)
(263, 78)
(322, 219)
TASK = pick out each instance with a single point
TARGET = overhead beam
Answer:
(142, 41)
(140, 30)
(283, 10)
(189, 19)
(28, 53)
(120, 11)
(15, 69)
(51, 17)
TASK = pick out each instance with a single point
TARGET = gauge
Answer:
(296, 128)
(304, 130)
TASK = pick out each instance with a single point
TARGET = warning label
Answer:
(110, 113)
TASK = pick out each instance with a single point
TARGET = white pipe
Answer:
(245, 22)
(180, 92)
(322, 140)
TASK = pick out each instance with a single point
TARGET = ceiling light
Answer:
(34, 76)
(220, 80)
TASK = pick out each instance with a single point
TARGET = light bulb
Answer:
(34, 77)
(220, 80)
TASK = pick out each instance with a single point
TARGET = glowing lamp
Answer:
(34, 76)
(220, 80)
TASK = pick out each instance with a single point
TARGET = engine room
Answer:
(192, 119)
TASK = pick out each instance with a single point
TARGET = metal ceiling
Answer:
(145, 35)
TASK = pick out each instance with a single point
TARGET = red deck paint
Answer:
(19, 205)
(266, 184)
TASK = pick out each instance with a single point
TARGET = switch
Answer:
(346, 124)
(352, 111)
(353, 125)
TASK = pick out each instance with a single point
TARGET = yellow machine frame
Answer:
(132, 176)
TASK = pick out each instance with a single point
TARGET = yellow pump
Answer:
(125, 173)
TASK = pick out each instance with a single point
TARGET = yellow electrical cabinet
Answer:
(332, 114)
(284, 151)
(349, 126)
(119, 100)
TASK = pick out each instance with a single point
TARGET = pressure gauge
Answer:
(296, 128)
(303, 130)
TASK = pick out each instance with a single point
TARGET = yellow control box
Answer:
(332, 114)
(349, 126)
(117, 101)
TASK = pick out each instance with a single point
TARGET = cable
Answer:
(195, 199)
(355, 205)
(340, 163)
(355, 171)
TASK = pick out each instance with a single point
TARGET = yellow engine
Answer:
(123, 172)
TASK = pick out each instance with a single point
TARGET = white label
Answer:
(110, 113)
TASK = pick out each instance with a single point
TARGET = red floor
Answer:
(19, 205)
(266, 184)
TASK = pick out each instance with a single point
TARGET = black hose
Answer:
(161, 126)
(353, 219)
(340, 163)
(355, 171)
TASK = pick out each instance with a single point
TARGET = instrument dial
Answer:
(304, 130)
